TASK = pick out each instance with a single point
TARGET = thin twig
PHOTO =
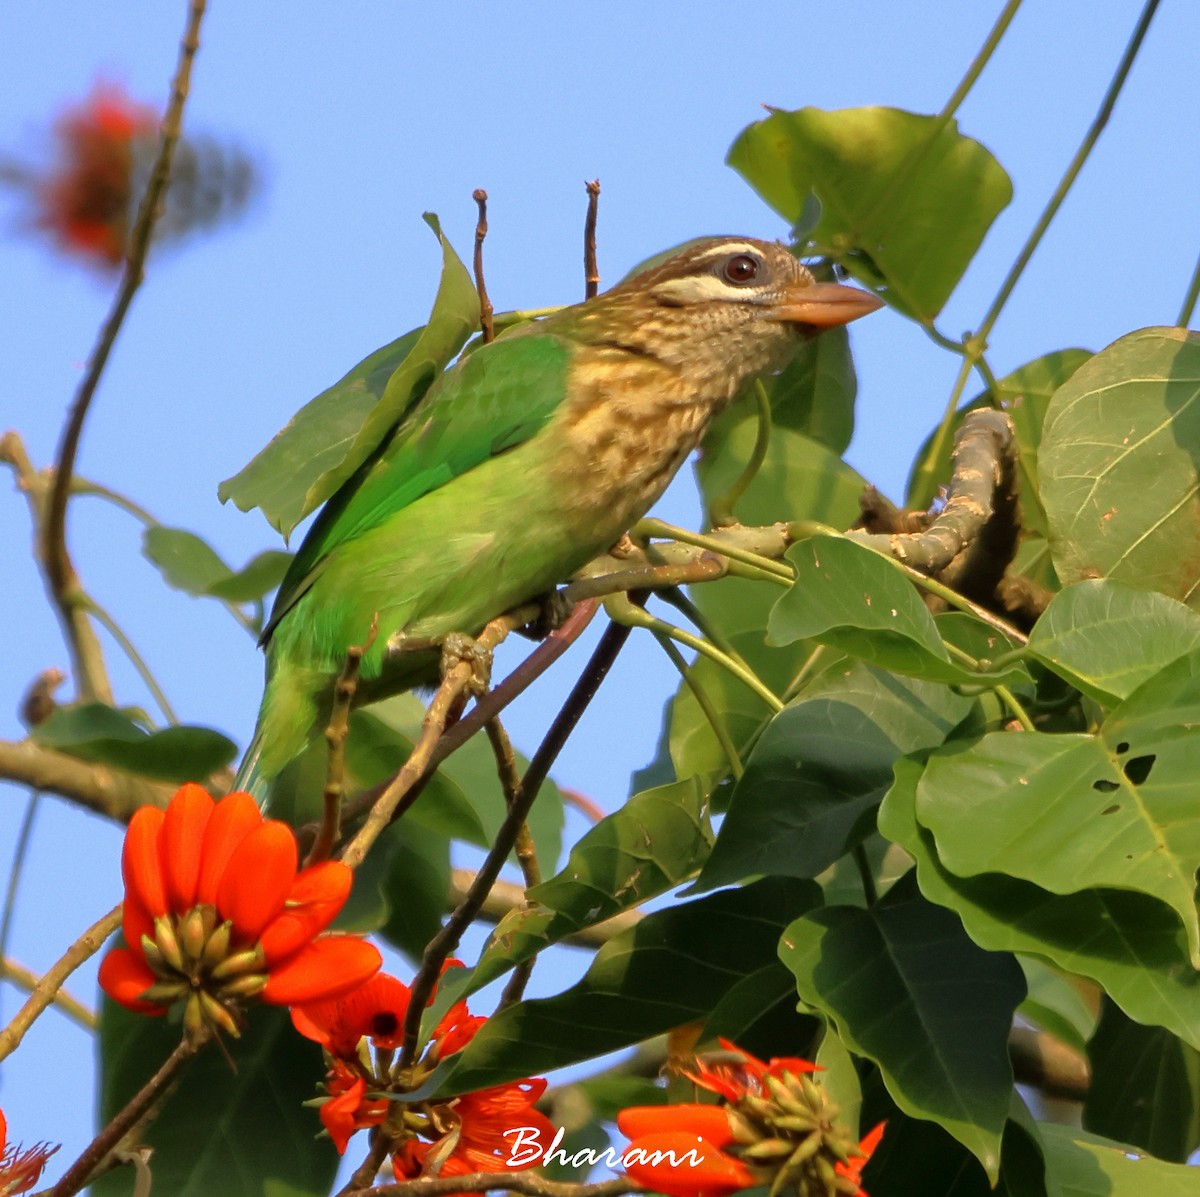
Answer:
(43, 993)
(588, 807)
(720, 510)
(485, 304)
(1189, 300)
(591, 271)
(91, 677)
(94, 1154)
(20, 851)
(135, 658)
(515, 1182)
(336, 733)
(442, 946)
(28, 980)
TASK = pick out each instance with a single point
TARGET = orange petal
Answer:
(125, 977)
(233, 818)
(141, 864)
(709, 1121)
(313, 902)
(257, 878)
(337, 1114)
(326, 968)
(684, 1165)
(136, 921)
(181, 842)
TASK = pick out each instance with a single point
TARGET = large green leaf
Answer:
(1119, 474)
(1072, 812)
(798, 480)
(335, 433)
(239, 1131)
(905, 199)
(1084, 1165)
(847, 596)
(96, 732)
(821, 767)
(657, 840)
(673, 967)
(1024, 394)
(1055, 1002)
(1145, 1087)
(905, 987)
(1131, 944)
(1106, 638)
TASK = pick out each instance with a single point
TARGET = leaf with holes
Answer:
(1130, 944)
(1106, 638)
(1072, 812)
(1119, 473)
(905, 199)
(906, 988)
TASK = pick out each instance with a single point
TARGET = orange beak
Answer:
(826, 305)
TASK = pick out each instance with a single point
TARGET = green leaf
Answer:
(190, 564)
(848, 596)
(1024, 395)
(1055, 1001)
(657, 840)
(100, 733)
(1130, 944)
(1106, 638)
(905, 199)
(335, 433)
(672, 967)
(820, 768)
(905, 987)
(977, 639)
(1119, 465)
(1084, 1165)
(238, 1131)
(1145, 1087)
(760, 1014)
(1074, 812)
(840, 1080)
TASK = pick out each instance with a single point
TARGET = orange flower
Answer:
(359, 1032)
(217, 913)
(20, 1170)
(86, 202)
(776, 1127)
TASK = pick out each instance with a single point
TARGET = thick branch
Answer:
(483, 1182)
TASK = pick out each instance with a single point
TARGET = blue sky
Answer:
(364, 114)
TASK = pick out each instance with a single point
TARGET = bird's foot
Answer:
(556, 610)
(458, 648)
(624, 548)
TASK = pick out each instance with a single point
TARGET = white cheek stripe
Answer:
(701, 288)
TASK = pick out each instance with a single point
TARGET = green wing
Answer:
(490, 401)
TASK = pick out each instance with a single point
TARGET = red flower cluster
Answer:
(448, 1137)
(217, 912)
(776, 1128)
(20, 1169)
(85, 203)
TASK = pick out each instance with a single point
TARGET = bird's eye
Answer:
(741, 269)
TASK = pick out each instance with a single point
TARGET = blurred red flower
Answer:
(217, 912)
(20, 1169)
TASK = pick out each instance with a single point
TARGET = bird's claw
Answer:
(556, 610)
(458, 648)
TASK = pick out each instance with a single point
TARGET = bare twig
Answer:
(93, 1157)
(591, 270)
(334, 793)
(45, 990)
(588, 807)
(485, 304)
(28, 980)
(442, 946)
(482, 1182)
(91, 678)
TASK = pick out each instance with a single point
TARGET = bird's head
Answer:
(721, 309)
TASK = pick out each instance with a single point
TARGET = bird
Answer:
(532, 454)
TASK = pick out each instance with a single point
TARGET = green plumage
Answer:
(526, 459)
